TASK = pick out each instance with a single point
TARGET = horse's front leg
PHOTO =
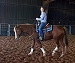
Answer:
(32, 47)
(42, 49)
(56, 48)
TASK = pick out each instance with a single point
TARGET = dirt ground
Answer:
(15, 51)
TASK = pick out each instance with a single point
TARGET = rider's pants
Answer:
(42, 25)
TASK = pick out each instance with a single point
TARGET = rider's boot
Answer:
(41, 38)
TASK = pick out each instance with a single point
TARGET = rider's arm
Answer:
(41, 18)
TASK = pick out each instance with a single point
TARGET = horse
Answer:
(58, 34)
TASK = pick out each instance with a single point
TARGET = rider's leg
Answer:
(42, 25)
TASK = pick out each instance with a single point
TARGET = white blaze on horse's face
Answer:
(15, 33)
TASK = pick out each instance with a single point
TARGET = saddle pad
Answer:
(46, 29)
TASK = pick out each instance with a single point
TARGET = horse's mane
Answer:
(25, 24)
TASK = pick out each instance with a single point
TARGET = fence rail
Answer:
(7, 29)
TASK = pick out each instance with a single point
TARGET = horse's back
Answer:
(25, 25)
(58, 31)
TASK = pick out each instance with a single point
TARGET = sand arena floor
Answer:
(15, 51)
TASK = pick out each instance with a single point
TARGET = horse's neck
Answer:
(29, 29)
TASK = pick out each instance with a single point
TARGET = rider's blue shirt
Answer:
(43, 17)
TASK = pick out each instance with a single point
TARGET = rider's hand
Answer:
(40, 15)
(36, 18)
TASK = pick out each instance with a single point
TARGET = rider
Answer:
(42, 19)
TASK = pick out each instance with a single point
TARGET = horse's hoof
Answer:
(44, 54)
(52, 54)
(30, 54)
(61, 55)
(17, 38)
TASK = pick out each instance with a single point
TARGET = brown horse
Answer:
(58, 34)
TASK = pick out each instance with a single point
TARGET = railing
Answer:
(7, 29)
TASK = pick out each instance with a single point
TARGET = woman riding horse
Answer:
(58, 34)
(43, 20)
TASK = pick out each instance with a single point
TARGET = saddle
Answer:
(47, 28)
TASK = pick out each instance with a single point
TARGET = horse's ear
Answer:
(17, 25)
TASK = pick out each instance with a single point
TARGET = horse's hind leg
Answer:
(56, 48)
(42, 49)
(63, 47)
(32, 47)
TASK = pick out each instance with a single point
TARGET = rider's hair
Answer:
(43, 7)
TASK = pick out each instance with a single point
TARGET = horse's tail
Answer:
(65, 36)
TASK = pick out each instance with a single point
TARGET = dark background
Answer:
(25, 11)
(12, 12)
(19, 11)
(61, 12)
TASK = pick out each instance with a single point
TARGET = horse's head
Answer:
(17, 31)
